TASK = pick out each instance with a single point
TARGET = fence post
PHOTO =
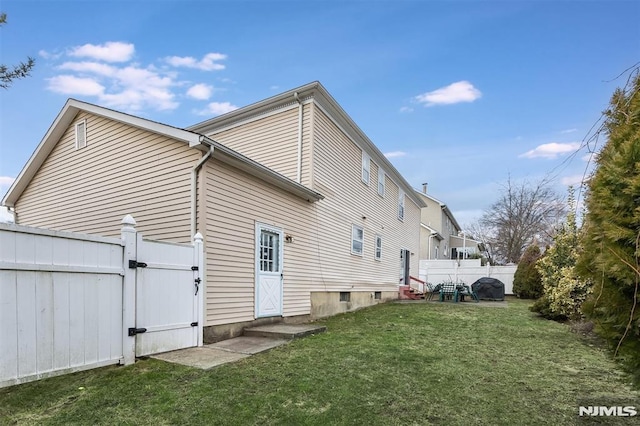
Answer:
(198, 260)
(129, 238)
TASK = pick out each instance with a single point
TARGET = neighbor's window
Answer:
(401, 205)
(381, 181)
(366, 168)
(357, 239)
(378, 247)
(81, 134)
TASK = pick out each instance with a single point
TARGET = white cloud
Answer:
(551, 150)
(90, 67)
(5, 182)
(589, 157)
(395, 154)
(130, 88)
(217, 108)
(574, 180)
(208, 63)
(564, 132)
(461, 91)
(274, 87)
(49, 55)
(200, 91)
(72, 85)
(106, 73)
(406, 109)
(111, 51)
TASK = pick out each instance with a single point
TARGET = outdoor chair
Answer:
(464, 290)
(430, 290)
(448, 291)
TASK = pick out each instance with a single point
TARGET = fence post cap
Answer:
(198, 237)
(128, 221)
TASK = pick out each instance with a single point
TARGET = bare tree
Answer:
(8, 74)
(523, 215)
(478, 231)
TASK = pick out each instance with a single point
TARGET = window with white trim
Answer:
(381, 182)
(81, 134)
(366, 167)
(378, 251)
(357, 239)
(401, 205)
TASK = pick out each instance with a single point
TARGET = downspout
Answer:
(297, 98)
(194, 188)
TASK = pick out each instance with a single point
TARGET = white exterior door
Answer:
(168, 296)
(269, 277)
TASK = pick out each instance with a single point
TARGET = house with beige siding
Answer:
(302, 216)
(441, 237)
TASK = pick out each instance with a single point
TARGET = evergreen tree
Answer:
(612, 228)
(527, 283)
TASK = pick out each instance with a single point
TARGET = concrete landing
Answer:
(255, 340)
(284, 331)
(202, 357)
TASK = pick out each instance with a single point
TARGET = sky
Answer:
(462, 95)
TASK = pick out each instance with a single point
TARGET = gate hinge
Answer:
(194, 324)
(194, 268)
(133, 331)
(135, 264)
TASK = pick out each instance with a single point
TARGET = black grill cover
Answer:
(488, 289)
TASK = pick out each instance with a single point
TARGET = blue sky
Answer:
(459, 94)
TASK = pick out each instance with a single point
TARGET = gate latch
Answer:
(133, 331)
(197, 281)
(135, 264)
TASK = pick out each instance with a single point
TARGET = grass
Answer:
(393, 364)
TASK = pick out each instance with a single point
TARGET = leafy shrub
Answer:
(527, 283)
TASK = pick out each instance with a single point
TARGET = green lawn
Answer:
(390, 364)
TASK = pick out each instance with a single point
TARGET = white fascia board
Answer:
(60, 125)
(250, 112)
(235, 159)
(433, 231)
(189, 137)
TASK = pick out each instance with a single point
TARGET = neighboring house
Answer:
(441, 237)
(302, 216)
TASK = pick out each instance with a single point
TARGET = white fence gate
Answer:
(68, 301)
(467, 271)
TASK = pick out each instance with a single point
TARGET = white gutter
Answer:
(297, 98)
(194, 188)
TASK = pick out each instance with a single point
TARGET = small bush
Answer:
(527, 283)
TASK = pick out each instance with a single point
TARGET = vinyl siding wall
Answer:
(273, 141)
(235, 202)
(337, 175)
(122, 170)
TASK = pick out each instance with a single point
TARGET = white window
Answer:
(366, 168)
(81, 134)
(381, 181)
(378, 251)
(401, 205)
(357, 239)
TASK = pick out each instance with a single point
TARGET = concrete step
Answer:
(284, 331)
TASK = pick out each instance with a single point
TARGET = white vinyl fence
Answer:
(465, 270)
(67, 301)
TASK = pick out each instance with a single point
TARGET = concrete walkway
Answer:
(256, 340)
